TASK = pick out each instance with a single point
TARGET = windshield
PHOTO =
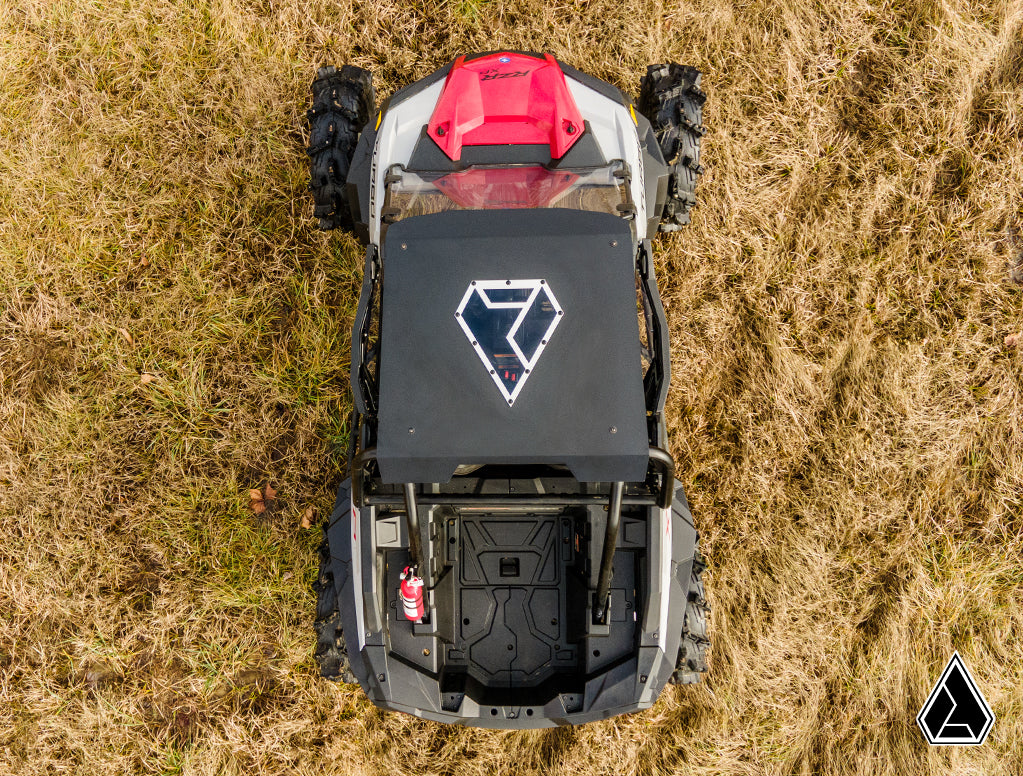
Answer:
(601, 189)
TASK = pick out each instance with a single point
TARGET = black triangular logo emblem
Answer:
(956, 713)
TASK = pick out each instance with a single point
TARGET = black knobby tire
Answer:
(342, 104)
(692, 652)
(331, 651)
(671, 98)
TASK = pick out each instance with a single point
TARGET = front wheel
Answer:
(671, 98)
(342, 104)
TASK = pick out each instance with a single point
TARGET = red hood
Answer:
(505, 99)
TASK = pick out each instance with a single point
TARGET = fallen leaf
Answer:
(100, 676)
(250, 676)
(271, 494)
(145, 261)
(124, 333)
(253, 680)
(146, 378)
(256, 501)
(307, 517)
(1012, 340)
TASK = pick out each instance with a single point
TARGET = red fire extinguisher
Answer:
(412, 594)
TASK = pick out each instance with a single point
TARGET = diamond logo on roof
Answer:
(509, 323)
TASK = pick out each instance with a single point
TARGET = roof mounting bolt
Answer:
(507, 282)
(642, 678)
(440, 131)
(381, 677)
(411, 430)
(613, 429)
(570, 129)
(657, 635)
(404, 246)
(614, 244)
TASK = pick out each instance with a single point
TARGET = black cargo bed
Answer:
(510, 608)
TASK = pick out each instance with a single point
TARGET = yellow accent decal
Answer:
(632, 113)
(380, 115)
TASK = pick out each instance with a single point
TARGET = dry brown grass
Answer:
(845, 411)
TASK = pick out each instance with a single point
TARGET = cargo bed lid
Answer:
(452, 394)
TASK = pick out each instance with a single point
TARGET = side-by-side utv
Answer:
(511, 549)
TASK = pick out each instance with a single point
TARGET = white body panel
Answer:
(618, 139)
(396, 139)
(665, 570)
(357, 574)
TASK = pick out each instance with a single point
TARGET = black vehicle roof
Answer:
(582, 403)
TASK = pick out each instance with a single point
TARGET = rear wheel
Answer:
(342, 104)
(331, 650)
(671, 98)
(692, 652)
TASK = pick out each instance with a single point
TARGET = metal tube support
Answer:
(412, 523)
(614, 519)
(663, 461)
(511, 500)
(359, 465)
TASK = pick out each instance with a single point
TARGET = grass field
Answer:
(845, 410)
